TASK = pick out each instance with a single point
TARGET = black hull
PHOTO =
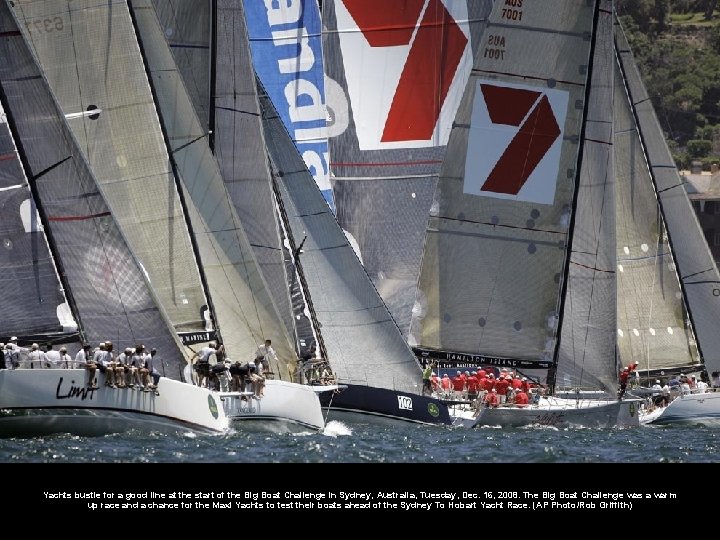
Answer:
(369, 403)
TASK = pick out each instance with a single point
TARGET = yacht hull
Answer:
(558, 412)
(37, 402)
(702, 409)
(359, 403)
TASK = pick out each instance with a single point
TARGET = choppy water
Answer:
(366, 443)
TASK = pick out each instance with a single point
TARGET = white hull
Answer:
(701, 409)
(558, 412)
(42, 401)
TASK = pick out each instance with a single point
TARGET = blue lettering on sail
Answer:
(286, 44)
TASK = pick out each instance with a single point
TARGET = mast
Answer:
(552, 371)
(31, 180)
(176, 176)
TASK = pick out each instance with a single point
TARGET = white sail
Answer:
(670, 296)
(360, 339)
(212, 54)
(241, 302)
(90, 56)
(32, 298)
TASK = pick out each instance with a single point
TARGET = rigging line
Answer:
(234, 109)
(681, 184)
(35, 177)
(476, 71)
(183, 146)
(494, 226)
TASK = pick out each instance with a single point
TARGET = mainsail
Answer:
(91, 58)
(242, 305)
(669, 289)
(32, 299)
(395, 74)
(107, 283)
(497, 245)
(360, 339)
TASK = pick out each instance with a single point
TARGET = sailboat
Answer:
(354, 332)
(111, 292)
(518, 262)
(668, 282)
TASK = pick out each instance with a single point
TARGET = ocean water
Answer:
(372, 443)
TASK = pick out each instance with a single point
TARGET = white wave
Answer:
(335, 428)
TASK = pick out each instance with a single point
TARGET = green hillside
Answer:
(677, 46)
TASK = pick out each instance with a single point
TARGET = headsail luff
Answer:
(361, 340)
(108, 284)
(586, 356)
(384, 184)
(682, 252)
(93, 63)
(242, 305)
(496, 247)
(32, 299)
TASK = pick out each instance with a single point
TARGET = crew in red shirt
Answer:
(521, 398)
(492, 399)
